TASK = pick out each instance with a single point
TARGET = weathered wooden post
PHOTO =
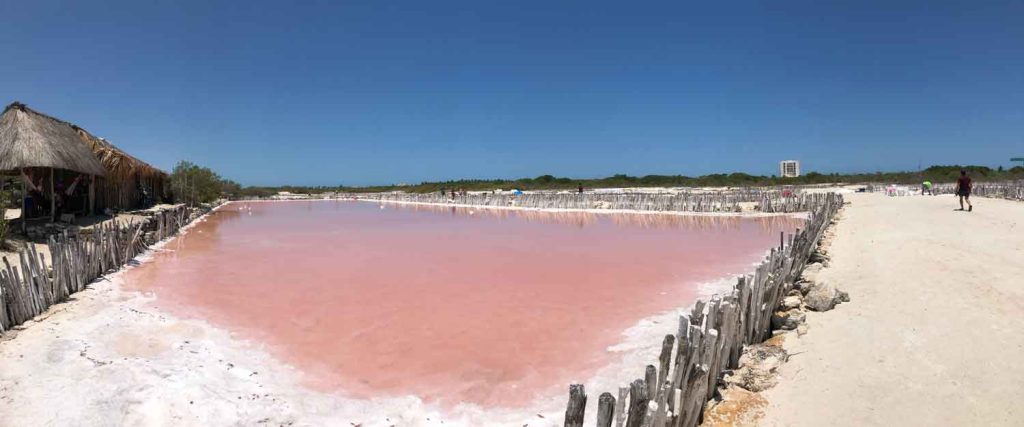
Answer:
(638, 399)
(651, 379)
(577, 406)
(620, 407)
(605, 409)
(665, 359)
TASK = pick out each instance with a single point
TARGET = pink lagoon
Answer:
(452, 305)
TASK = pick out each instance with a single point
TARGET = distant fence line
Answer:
(767, 201)
(78, 258)
(1010, 190)
(709, 340)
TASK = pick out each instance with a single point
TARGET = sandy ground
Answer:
(933, 334)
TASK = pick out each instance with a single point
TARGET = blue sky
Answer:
(342, 92)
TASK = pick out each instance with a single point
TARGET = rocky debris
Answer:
(788, 320)
(824, 297)
(792, 301)
(737, 408)
(758, 365)
(811, 272)
(803, 287)
(819, 295)
(820, 258)
(802, 329)
(39, 233)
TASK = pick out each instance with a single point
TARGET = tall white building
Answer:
(789, 168)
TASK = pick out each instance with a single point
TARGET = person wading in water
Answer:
(963, 190)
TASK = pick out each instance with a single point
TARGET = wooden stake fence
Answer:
(77, 259)
(710, 339)
(768, 201)
(1010, 190)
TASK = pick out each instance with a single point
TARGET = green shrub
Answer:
(193, 184)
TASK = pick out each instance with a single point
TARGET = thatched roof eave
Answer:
(31, 139)
(117, 162)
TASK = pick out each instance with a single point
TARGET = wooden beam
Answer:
(92, 194)
(53, 200)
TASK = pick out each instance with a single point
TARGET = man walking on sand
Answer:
(963, 190)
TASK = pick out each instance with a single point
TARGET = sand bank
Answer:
(932, 334)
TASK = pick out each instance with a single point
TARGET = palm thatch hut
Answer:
(30, 139)
(70, 169)
(48, 154)
(129, 182)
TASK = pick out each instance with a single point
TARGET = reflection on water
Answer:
(452, 305)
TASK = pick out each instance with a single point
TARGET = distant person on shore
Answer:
(963, 190)
(926, 187)
(581, 188)
(453, 194)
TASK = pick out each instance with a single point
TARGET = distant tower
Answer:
(789, 168)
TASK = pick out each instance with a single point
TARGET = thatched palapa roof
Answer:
(32, 139)
(119, 165)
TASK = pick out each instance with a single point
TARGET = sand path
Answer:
(933, 334)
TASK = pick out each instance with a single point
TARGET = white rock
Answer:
(811, 271)
(758, 366)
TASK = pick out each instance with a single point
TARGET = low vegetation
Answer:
(936, 174)
(193, 184)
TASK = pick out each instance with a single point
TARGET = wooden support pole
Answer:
(53, 200)
(24, 207)
(92, 194)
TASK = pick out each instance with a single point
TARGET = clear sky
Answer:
(345, 92)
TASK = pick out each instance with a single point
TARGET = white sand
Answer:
(934, 333)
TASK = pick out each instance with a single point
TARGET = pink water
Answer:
(452, 305)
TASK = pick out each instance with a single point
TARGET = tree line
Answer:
(193, 184)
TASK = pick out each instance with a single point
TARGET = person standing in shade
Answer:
(963, 190)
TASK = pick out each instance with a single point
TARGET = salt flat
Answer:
(932, 336)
